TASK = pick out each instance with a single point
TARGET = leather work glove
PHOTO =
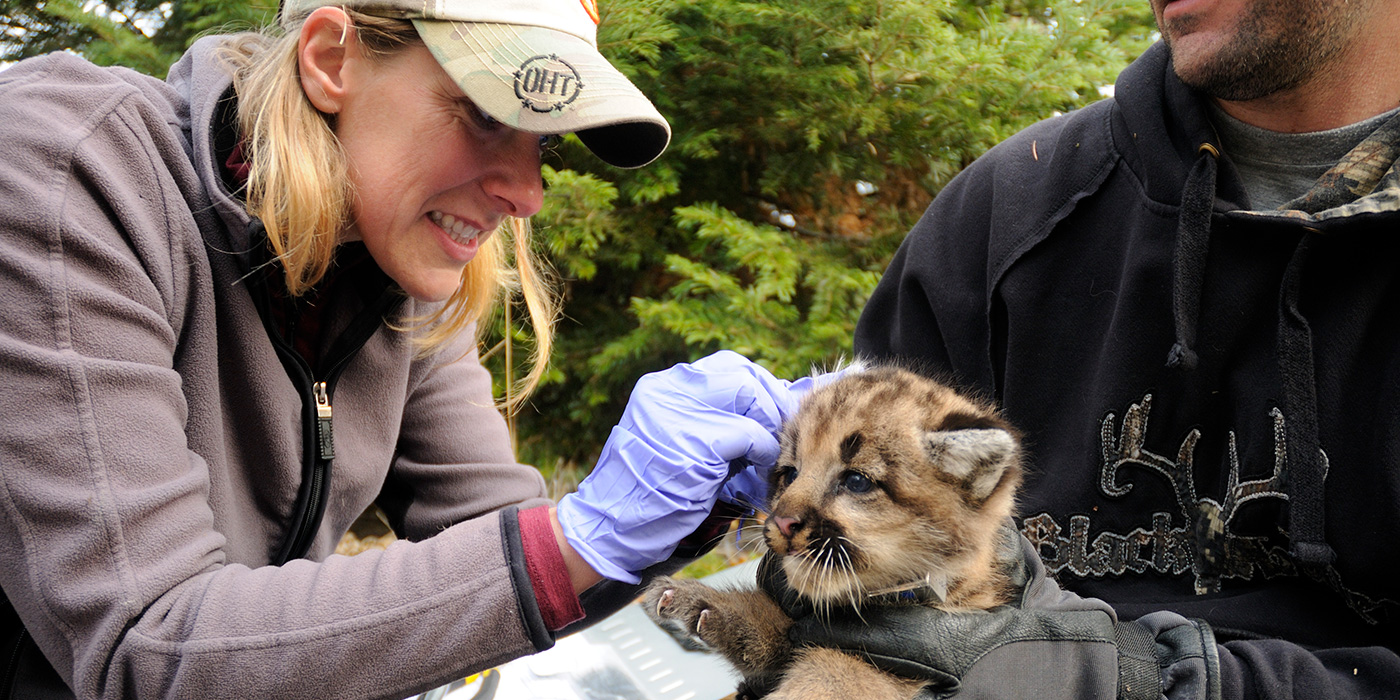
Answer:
(686, 430)
(1049, 644)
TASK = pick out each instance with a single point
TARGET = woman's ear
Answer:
(327, 44)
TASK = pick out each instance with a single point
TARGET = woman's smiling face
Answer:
(432, 176)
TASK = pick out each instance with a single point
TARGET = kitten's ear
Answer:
(976, 457)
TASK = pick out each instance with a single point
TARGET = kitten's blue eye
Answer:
(786, 475)
(855, 482)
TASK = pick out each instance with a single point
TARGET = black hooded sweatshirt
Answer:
(1210, 395)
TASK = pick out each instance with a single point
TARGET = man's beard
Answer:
(1262, 60)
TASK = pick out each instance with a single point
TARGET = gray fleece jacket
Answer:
(152, 448)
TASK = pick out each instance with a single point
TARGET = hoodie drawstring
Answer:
(1192, 244)
(1307, 465)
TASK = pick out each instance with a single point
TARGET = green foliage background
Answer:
(809, 135)
(784, 109)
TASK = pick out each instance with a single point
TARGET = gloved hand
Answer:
(1049, 644)
(748, 487)
(662, 467)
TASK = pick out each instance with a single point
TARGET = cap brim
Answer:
(549, 82)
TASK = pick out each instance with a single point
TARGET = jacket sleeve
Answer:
(454, 459)
(1278, 670)
(440, 478)
(111, 558)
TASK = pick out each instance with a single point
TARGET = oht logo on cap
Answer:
(547, 83)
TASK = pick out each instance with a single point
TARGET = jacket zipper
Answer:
(318, 443)
(325, 452)
(304, 530)
(325, 430)
(305, 518)
(318, 446)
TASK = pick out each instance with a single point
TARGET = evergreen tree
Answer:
(808, 138)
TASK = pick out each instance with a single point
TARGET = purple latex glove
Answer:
(662, 468)
(749, 485)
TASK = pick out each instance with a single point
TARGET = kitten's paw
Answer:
(675, 601)
(684, 607)
(745, 626)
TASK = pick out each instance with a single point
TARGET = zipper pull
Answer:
(325, 432)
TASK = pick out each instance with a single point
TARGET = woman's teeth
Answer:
(458, 229)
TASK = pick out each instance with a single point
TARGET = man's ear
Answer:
(327, 43)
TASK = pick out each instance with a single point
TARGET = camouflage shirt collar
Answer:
(1366, 180)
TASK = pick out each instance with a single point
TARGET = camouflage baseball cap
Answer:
(532, 65)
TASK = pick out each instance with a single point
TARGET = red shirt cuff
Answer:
(549, 577)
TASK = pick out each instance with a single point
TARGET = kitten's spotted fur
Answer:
(890, 487)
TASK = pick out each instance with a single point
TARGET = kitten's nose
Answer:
(785, 524)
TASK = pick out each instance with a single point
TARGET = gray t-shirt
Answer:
(1277, 167)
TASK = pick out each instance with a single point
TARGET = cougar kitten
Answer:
(891, 489)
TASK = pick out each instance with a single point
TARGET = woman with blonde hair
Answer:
(241, 305)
